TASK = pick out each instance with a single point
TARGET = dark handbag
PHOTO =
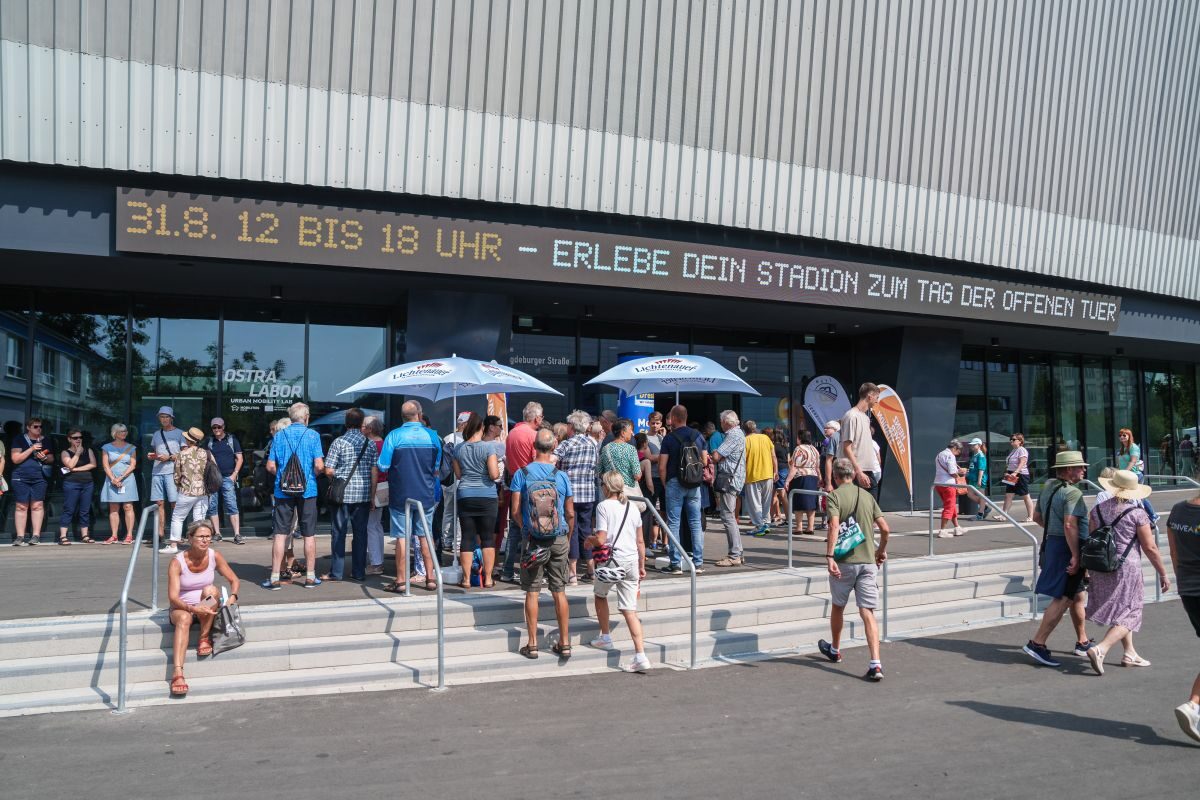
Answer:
(603, 553)
(723, 481)
(212, 475)
(228, 631)
(337, 487)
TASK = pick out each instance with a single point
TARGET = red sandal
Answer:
(204, 647)
(179, 687)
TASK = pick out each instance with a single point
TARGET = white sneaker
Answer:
(603, 641)
(946, 535)
(958, 531)
(1188, 715)
(639, 664)
(169, 549)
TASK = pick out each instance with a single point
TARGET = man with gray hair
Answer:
(410, 460)
(302, 443)
(728, 480)
(853, 561)
(518, 452)
(577, 457)
(606, 420)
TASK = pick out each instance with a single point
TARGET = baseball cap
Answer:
(975, 441)
(170, 412)
(216, 421)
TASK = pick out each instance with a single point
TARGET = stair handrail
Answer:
(690, 564)
(791, 514)
(988, 501)
(123, 638)
(436, 566)
(1187, 478)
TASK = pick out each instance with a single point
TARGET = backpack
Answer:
(539, 503)
(1098, 553)
(293, 482)
(691, 467)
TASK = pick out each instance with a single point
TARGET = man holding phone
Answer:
(30, 454)
(163, 453)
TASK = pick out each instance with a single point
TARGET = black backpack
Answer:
(1098, 553)
(293, 482)
(691, 467)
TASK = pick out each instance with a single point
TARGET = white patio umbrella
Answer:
(677, 373)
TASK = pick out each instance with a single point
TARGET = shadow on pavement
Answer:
(1073, 723)
(993, 653)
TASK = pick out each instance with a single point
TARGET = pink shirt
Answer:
(518, 448)
(191, 584)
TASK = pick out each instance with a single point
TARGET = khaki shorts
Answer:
(555, 569)
(627, 590)
(860, 578)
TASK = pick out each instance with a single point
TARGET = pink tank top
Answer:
(191, 584)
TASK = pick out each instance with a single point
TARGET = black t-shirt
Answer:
(673, 444)
(1184, 524)
(85, 458)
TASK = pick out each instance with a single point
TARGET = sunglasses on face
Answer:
(218, 427)
(75, 438)
(35, 427)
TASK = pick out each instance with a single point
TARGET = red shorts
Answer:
(949, 502)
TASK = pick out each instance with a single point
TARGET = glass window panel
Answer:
(761, 359)
(1099, 431)
(1157, 449)
(824, 356)
(1002, 408)
(1037, 414)
(1068, 401)
(1126, 404)
(15, 312)
(340, 356)
(970, 418)
(262, 374)
(1183, 395)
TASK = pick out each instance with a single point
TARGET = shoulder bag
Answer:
(723, 480)
(850, 533)
(607, 569)
(337, 487)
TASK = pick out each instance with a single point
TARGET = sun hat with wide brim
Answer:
(1124, 485)
(1069, 458)
(193, 435)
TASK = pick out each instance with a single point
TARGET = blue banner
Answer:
(637, 407)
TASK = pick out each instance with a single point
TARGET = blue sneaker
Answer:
(1081, 648)
(827, 650)
(875, 674)
(758, 533)
(270, 585)
(1041, 654)
(315, 582)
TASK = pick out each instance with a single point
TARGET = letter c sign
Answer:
(743, 364)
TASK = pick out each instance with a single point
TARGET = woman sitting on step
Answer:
(192, 593)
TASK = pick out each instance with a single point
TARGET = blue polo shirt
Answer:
(411, 458)
(225, 452)
(306, 444)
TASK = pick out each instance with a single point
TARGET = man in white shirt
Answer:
(856, 439)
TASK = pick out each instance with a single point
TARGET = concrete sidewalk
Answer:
(50, 580)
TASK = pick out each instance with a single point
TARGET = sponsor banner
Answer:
(636, 407)
(893, 421)
(497, 406)
(825, 399)
(430, 369)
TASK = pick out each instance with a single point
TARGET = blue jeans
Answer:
(512, 551)
(346, 518)
(677, 497)
(77, 503)
(229, 491)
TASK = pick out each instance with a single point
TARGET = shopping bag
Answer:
(227, 630)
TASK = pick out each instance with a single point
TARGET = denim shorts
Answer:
(397, 528)
(162, 487)
(229, 491)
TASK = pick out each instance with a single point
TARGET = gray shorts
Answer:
(860, 578)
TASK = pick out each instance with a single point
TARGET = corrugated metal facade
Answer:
(1056, 138)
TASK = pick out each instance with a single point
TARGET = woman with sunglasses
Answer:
(30, 455)
(77, 464)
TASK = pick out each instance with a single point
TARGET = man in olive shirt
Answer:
(850, 505)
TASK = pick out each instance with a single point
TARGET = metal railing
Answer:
(684, 556)
(436, 566)
(1001, 512)
(123, 641)
(1187, 478)
(791, 514)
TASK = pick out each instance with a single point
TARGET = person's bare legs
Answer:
(235, 522)
(402, 575)
(20, 516)
(836, 622)
(1195, 698)
(812, 520)
(465, 559)
(215, 521)
(162, 517)
(602, 614)
(206, 620)
(1028, 508)
(1113, 635)
(635, 629)
(114, 521)
(1050, 619)
(37, 512)
(278, 545)
(563, 613)
(489, 563)
(183, 624)
(872, 630)
(572, 566)
(531, 615)
(130, 518)
(1079, 616)
(310, 554)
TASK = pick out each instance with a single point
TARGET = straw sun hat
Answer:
(1124, 485)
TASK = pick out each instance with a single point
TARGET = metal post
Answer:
(691, 567)
(402, 569)
(932, 490)
(885, 600)
(409, 505)
(123, 641)
(1157, 582)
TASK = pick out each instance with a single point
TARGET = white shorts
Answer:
(627, 590)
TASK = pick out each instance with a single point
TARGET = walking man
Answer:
(410, 461)
(728, 480)
(305, 444)
(856, 443)
(1183, 537)
(351, 459)
(541, 500)
(853, 513)
(681, 449)
(227, 452)
(761, 471)
(1063, 516)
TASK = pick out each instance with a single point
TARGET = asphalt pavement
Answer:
(960, 715)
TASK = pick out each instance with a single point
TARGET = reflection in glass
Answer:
(1158, 448)
(1036, 414)
(339, 356)
(1068, 401)
(1002, 406)
(1183, 396)
(1099, 431)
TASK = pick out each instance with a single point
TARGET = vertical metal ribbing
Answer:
(366, 156)
(716, 60)
(933, 205)
(554, 121)
(766, 152)
(780, 129)
(587, 129)
(1047, 135)
(1116, 156)
(895, 129)
(1016, 146)
(845, 169)
(666, 135)
(967, 188)
(900, 237)
(1183, 153)
(619, 164)
(1064, 225)
(826, 126)
(405, 186)
(793, 165)
(637, 119)
(1152, 102)
(604, 112)
(1096, 120)
(537, 115)
(687, 51)
(571, 126)
(433, 18)
(865, 212)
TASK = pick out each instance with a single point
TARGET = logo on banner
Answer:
(666, 365)
(825, 400)
(497, 371)
(889, 412)
(430, 369)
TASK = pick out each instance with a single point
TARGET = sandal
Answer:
(395, 587)
(464, 585)
(430, 585)
(62, 540)
(529, 651)
(1135, 661)
(87, 540)
(204, 647)
(110, 540)
(179, 686)
(489, 585)
(562, 650)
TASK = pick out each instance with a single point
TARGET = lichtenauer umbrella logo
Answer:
(496, 371)
(430, 369)
(666, 365)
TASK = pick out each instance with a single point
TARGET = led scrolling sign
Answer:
(174, 223)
